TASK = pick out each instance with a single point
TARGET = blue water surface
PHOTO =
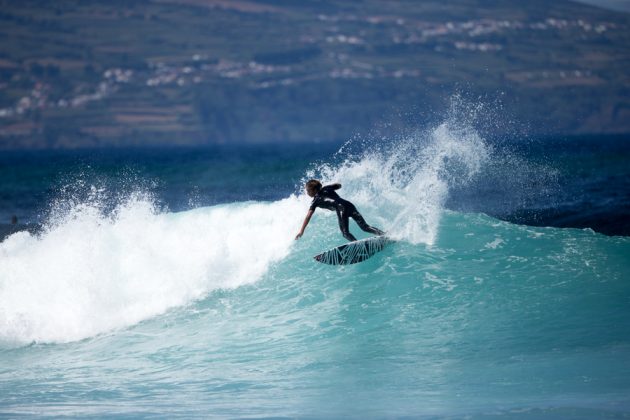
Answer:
(167, 283)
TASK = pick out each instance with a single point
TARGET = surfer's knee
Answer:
(365, 227)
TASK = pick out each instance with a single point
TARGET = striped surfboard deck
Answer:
(353, 252)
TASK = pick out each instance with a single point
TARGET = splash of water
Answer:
(405, 185)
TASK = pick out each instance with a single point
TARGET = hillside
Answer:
(156, 72)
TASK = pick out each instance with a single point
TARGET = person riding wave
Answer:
(326, 197)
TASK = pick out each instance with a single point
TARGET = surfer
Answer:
(327, 198)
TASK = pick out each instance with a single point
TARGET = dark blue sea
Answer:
(167, 282)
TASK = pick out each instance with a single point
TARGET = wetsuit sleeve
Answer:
(314, 204)
(333, 186)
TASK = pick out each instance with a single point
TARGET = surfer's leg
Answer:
(344, 225)
(363, 224)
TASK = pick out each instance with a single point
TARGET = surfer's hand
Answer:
(298, 236)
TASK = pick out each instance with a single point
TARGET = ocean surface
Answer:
(167, 282)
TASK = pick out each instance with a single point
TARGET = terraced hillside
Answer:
(157, 72)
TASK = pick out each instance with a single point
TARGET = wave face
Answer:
(138, 311)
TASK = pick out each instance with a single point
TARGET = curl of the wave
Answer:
(92, 271)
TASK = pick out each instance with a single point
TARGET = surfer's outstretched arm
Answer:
(306, 220)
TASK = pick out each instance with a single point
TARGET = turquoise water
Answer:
(216, 311)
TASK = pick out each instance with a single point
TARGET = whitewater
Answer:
(216, 311)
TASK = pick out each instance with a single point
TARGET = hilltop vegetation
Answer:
(96, 73)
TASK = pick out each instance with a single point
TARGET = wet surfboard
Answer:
(353, 252)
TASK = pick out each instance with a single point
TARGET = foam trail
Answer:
(406, 185)
(89, 273)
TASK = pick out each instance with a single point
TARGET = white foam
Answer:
(89, 274)
(404, 189)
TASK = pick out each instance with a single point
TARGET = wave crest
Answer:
(89, 273)
(405, 185)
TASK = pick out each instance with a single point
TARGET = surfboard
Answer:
(353, 252)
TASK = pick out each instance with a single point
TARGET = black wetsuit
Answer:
(328, 199)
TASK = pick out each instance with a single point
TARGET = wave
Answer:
(89, 273)
(98, 267)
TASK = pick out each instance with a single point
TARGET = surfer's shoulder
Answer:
(331, 187)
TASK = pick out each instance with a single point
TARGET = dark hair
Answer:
(313, 185)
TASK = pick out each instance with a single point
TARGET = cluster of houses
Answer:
(410, 31)
(38, 97)
(460, 35)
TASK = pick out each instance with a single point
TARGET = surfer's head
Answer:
(312, 187)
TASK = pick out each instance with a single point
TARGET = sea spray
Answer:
(91, 272)
(406, 183)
